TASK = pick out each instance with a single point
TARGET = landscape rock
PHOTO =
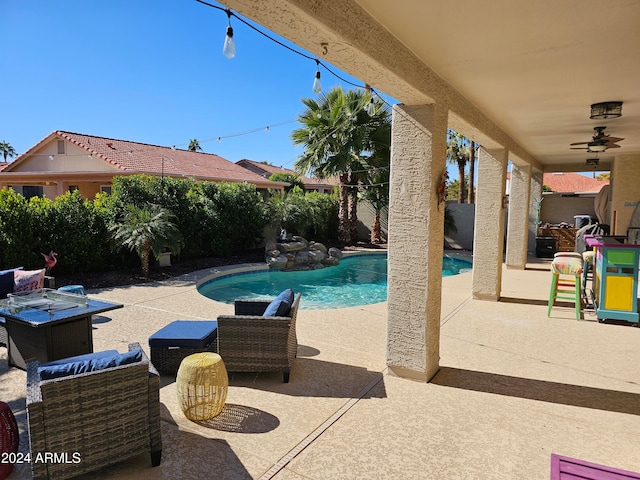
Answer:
(296, 253)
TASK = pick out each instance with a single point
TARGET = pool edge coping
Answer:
(239, 269)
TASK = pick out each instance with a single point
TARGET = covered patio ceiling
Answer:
(517, 74)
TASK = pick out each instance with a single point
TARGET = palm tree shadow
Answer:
(311, 377)
(541, 390)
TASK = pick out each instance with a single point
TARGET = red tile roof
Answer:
(134, 157)
(154, 159)
(4, 165)
(569, 182)
(269, 170)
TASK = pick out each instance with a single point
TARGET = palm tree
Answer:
(450, 227)
(194, 145)
(147, 231)
(377, 194)
(7, 150)
(294, 180)
(458, 153)
(472, 172)
(342, 140)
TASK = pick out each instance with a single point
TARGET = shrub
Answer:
(312, 215)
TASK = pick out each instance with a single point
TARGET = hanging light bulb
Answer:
(370, 108)
(317, 84)
(229, 47)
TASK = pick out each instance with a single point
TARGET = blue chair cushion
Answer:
(81, 358)
(90, 363)
(7, 281)
(185, 334)
(281, 305)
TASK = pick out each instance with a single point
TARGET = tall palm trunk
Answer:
(461, 185)
(344, 232)
(376, 229)
(472, 173)
(144, 258)
(353, 215)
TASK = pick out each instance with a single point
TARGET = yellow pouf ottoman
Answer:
(202, 384)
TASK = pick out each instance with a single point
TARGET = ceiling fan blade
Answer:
(579, 143)
(612, 139)
(579, 148)
(612, 145)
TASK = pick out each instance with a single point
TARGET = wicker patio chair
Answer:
(249, 342)
(4, 338)
(105, 416)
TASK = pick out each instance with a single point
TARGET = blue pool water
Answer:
(357, 280)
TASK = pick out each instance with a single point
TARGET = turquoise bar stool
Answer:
(567, 280)
(588, 257)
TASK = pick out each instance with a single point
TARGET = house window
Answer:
(60, 147)
(105, 189)
(73, 188)
(29, 191)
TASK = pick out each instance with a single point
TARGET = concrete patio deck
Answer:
(513, 388)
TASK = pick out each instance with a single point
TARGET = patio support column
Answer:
(488, 241)
(416, 240)
(535, 204)
(625, 193)
(518, 225)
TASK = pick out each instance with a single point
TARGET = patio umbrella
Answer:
(601, 205)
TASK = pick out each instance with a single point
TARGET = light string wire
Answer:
(229, 12)
(372, 92)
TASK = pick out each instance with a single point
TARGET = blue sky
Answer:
(151, 72)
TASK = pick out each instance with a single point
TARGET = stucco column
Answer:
(535, 204)
(625, 193)
(518, 225)
(416, 240)
(488, 236)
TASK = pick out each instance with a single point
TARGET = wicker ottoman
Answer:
(9, 439)
(202, 385)
(171, 344)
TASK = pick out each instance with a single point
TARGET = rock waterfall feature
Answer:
(296, 253)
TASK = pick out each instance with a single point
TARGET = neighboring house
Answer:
(569, 182)
(311, 184)
(66, 161)
(571, 195)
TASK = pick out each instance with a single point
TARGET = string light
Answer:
(317, 84)
(371, 107)
(229, 47)
(316, 81)
(229, 52)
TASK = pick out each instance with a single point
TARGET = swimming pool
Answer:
(357, 280)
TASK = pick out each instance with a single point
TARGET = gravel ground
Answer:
(134, 276)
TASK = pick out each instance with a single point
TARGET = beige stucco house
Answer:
(64, 161)
(518, 78)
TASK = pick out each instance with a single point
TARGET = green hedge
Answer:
(71, 226)
(215, 219)
(313, 215)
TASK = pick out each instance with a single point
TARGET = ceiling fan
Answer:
(599, 143)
